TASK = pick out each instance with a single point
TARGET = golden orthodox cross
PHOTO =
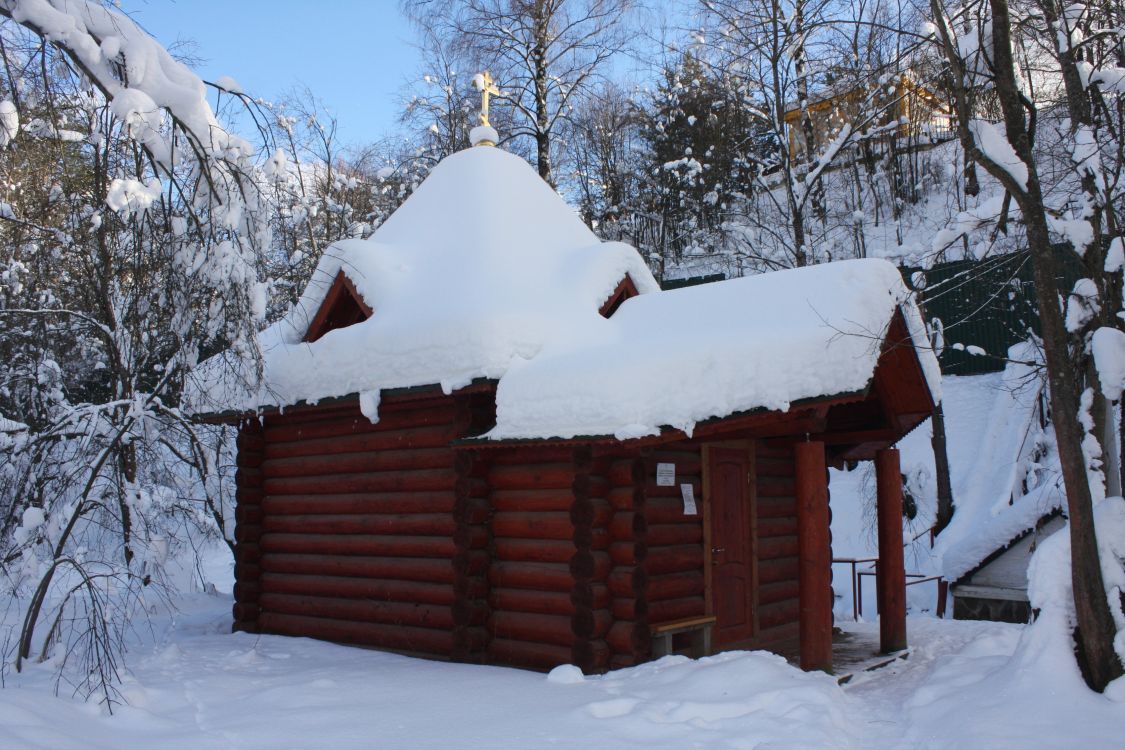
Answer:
(487, 88)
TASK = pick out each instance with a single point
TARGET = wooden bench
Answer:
(698, 627)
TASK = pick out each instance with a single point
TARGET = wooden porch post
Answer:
(891, 581)
(815, 549)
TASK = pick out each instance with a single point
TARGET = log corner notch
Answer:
(813, 522)
(891, 578)
(248, 525)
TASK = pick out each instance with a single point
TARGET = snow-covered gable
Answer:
(483, 264)
(680, 357)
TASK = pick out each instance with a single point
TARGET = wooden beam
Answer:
(891, 581)
(815, 553)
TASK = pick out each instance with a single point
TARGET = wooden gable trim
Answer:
(625, 290)
(342, 289)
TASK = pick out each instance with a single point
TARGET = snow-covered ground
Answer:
(193, 684)
(190, 683)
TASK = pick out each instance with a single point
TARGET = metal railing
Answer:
(912, 580)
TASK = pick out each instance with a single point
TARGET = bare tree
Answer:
(544, 54)
(997, 50)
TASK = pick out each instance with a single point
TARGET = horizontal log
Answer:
(627, 553)
(248, 513)
(627, 525)
(620, 473)
(780, 569)
(546, 576)
(687, 464)
(668, 610)
(772, 593)
(674, 559)
(531, 476)
(781, 639)
(362, 502)
(360, 610)
(590, 624)
(776, 507)
(592, 511)
(621, 498)
(338, 409)
(622, 661)
(775, 467)
(418, 480)
(246, 611)
(668, 510)
(247, 571)
(399, 637)
(341, 587)
(771, 548)
(628, 609)
(626, 637)
(246, 532)
(779, 449)
(779, 526)
(397, 568)
(529, 654)
(519, 455)
(353, 423)
(533, 550)
(247, 478)
(434, 436)
(591, 595)
(523, 626)
(673, 494)
(591, 565)
(780, 613)
(358, 544)
(528, 600)
(366, 462)
(248, 458)
(668, 534)
(249, 495)
(591, 539)
(530, 525)
(538, 500)
(627, 580)
(675, 586)
(419, 524)
(247, 552)
(247, 591)
(591, 656)
(250, 441)
(776, 486)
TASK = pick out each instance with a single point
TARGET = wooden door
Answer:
(732, 545)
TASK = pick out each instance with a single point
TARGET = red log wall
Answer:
(777, 549)
(385, 535)
(357, 533)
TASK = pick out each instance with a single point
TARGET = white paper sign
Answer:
(688, 493)
(665, 475)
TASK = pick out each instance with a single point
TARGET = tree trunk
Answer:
(1096, 629)
(941, 469)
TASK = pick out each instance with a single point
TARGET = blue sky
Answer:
(356, 56)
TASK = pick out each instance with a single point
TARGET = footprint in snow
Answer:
(612, 709)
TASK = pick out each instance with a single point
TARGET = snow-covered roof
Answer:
(483, 264)
(1013, 481)
(485, 272)
(679, 357)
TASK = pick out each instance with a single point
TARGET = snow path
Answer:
(884, 694)
(198, 686)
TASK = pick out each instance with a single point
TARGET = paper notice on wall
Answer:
(665, 475)
(688, 493)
